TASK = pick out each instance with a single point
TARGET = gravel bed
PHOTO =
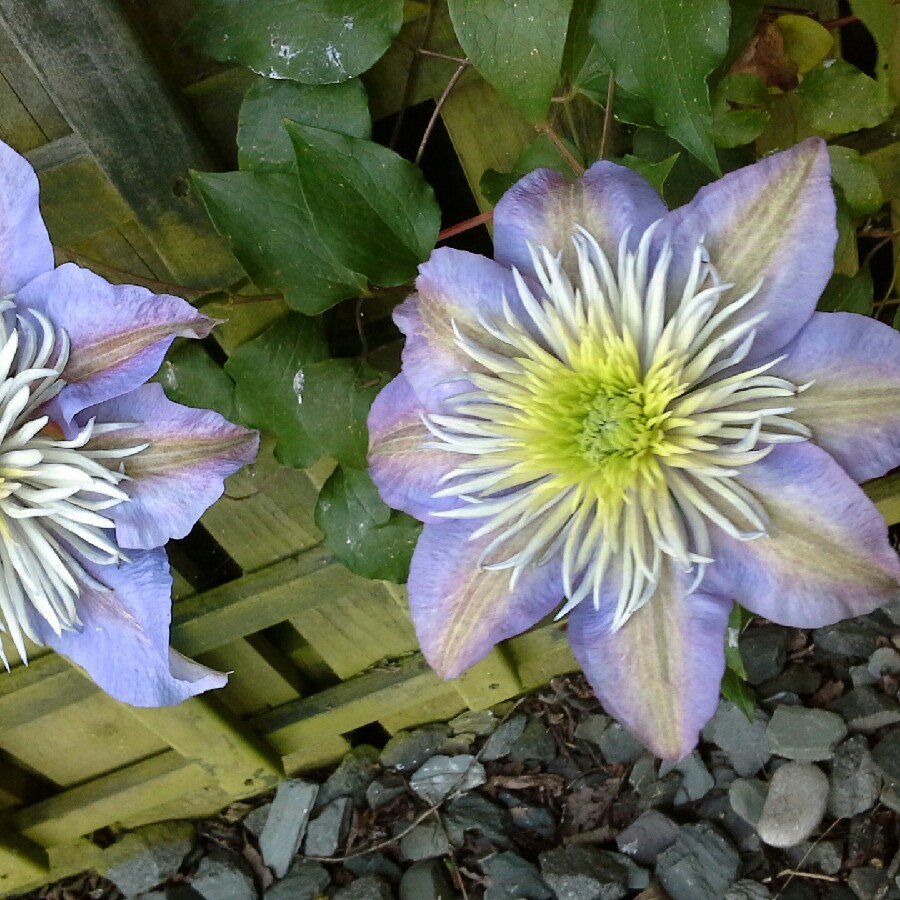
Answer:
(549, 798)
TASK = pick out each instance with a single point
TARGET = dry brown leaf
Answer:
(764, 57)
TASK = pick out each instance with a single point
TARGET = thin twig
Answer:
(467, 225)
(435, 54)
(564, 151)
(845, 20)
(410, 76)
(794, 873)
(607, 115)
(152, 283)
(438, 106)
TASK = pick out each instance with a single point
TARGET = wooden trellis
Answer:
(113, 126)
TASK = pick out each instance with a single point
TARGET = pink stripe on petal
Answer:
(827, 556)
(546, 208)
(123, 643)
(772, 221)
(119, 332)
(659, 674)
(180, 475)
(853, 405)
(405, 473)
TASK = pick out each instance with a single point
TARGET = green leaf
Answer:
(880, 18)
(516, 47)
(367, 204)
(663, 52)
(848, 293)
(896, 320)
(363, 533)
(584, 64)
(541, 153)
(740, 110)
(276, 239)
(857, 179)
(736, 621)
(352, 213)
(836, 97)
(735, 690)
(655, 172)
(806, 42)
(334, 397)
(263, 143)
(689, 173)
(189, 376)
(311, 41)
(269, 373)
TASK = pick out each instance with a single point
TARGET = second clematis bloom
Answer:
(636, 417)
(97, 468)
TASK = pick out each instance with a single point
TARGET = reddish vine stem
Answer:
(438, 106)
(607, 115)
(564, 151)
(847, 20)
(467, 225)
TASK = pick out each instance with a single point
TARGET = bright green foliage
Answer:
(361, 530)
(336, 395)
(276, 239)
(848, 293)
(270, 373)
(857, 179)
(663, 53)
(368, 206)
(191, 377)
(740, 110)
(263, 142)
(311, 41)
(351, 213)
(836, 97)
(880, 17)
(655, 172)
(517, 47)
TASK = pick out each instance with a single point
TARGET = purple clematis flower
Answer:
(97, 469)
(638, 414)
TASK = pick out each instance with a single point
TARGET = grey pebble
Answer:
(884, 661)
(647, 836)
(475, 812)
(221, 877)
(425, 841)
(535, 744)
(256, 819)
(794, 805)
(591, 728)
(742, 739)
(385, 789)
(501, 741)
(369, 887)
(696, 782)
(584, 873)
(305, 880)
(373, 864)
(855, 781)
(860, 676)
(852, 637)
(805, 735)
(764, 651)
(618, 746)
(147, 856)
(748, 890)
(327, 832)
(866, 710)
(440, 775)
(510, 877)
(748, 797)
(481, 722)
(864, 881)
(825, 857)
(426, 880)
(351, 778)
(286, 823)
(701, 865)
(407, 750)
(886, 756)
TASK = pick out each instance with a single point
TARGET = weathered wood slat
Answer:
(98, 75)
